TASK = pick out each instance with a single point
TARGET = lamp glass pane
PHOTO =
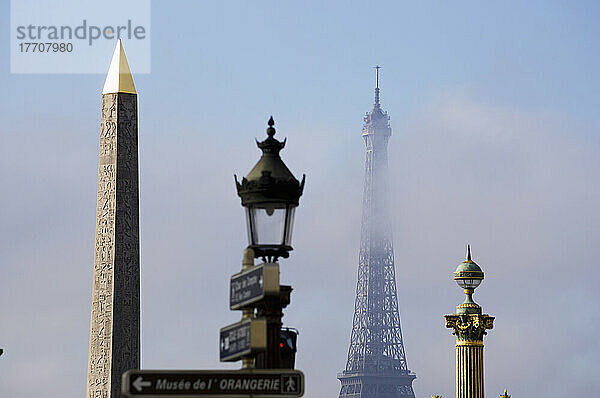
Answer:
(268, 225)
(289, 225)
(249, 226)
(468, 283)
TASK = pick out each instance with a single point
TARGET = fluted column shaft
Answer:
(469, 330)
(469, 369)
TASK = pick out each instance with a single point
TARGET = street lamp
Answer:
(468, 276)
(270, 193)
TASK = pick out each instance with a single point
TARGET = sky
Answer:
(494, 111)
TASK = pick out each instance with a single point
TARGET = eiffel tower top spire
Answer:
(377, 120)
(377, 67)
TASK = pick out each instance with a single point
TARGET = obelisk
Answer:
(115, 325)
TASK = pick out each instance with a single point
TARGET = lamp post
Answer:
(270, 194)
(469, 325)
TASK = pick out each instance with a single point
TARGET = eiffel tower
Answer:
(376, 366)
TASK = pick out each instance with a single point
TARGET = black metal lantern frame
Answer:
(270, 193)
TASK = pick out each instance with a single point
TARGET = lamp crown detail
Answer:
(271, 145)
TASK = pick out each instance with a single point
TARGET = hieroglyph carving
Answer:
(115, 321)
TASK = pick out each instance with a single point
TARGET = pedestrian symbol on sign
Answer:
(290, 385)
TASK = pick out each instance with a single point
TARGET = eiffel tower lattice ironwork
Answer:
(376, 364)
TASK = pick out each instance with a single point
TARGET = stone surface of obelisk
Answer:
(115, 323)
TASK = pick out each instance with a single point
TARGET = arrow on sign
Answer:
(224, 343)
(139, 383)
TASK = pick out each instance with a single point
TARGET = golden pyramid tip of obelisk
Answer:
(118, 78)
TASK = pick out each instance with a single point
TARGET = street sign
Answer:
(253, 285)
(245, 383)
(242, 338)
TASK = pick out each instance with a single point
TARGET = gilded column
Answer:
(115, 319)
(469, 325)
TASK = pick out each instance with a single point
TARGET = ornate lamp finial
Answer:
(505, 395)
(271, 129)
(468, 252)
(271, 145)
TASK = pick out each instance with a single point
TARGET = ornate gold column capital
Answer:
(469, 328)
